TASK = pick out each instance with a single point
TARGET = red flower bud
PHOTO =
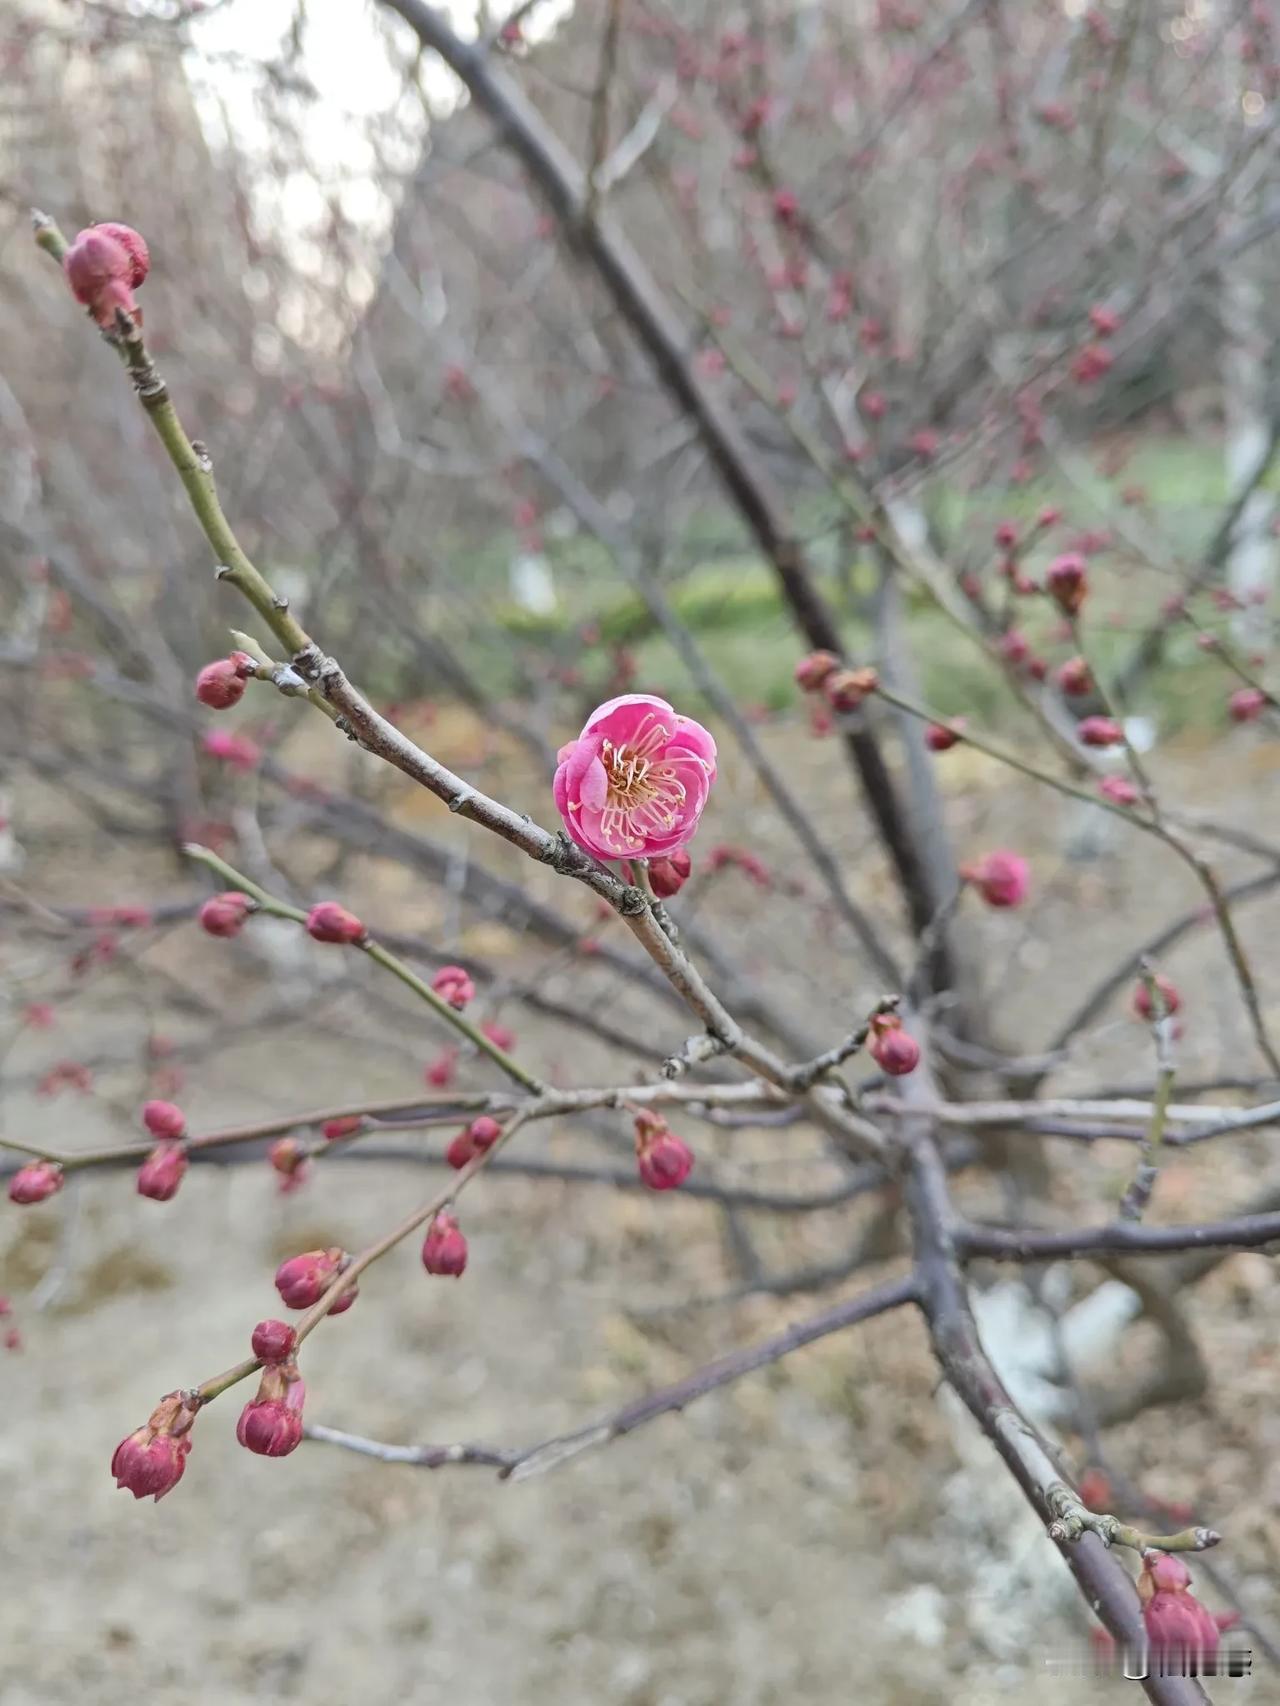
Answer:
(668, 876)
(786, 207)
(813, 669)
(454, 985)
(1178, 1626)
(1074, 678)
(1143, 1005)
(1105, 321)
(1119, 790)
(303, 1280)
(150, 1462)
(499, 1035)
(461, 1150)
(941, 737)
(163, 1119)
(845, 689)
(329, 922)
(220, 684)
(273, 1341)
(36, 1181)
(1002, 879)
(484, 1131)
(1246, 704)
(161, 1173)
(1006, 535)
(346, 1125)
(224, 914)
(439, 1072)
(1093, 362)
(1049, 516)
(1067, 581)
(892, 1049)
(1014, 646)
(104, 266)
(664, 1160)
(444, 1250)
(271, 1424)
(1099, 731)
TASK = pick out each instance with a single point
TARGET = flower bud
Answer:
(1119, 790)
(462, 1149)
(444, 1250)
(941, 737)
(892, 1049)
(1179, 1628)
(303, 1280)
(273, 1341)
(499, 1035)
(484, 1131)
(1099, 731)
(36, 1181)
(161, 1173)
(346, 1125)
(287, 1156)
(220, 684)
(224, 914)
(668, 876)
(439, 1072)
(1095, 1490)
(1001, 878)
(813, 670)
(845, 689)
(163, 1119)
(1006, 535)
(271, 1424)
(104, 266)
(1246, 704)
(150, 1462)
(454, 985)
(663, 1159)
(1144, 1006)
(1067, 581)
(1074, 678)
(329, 922)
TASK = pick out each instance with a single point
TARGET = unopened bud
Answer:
(329, 922)
(35, 1182)
(224, 914)
(104, 266)
(454, 985)
(845, 689)
(1067, 581)
(668, 876)
(1001, 878)
(664, 1160)
(1099, 731)
(164, 1119)
(220, 684)
(444, 1250)
(273, 1341)
(892, 1049)
(162, 1172)
(813, 670)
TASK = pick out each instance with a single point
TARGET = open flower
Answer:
(634, 783)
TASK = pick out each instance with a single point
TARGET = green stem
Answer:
(380, 955)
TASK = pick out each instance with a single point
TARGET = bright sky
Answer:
(350, 57)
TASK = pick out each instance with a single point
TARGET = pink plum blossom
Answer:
(635, 781)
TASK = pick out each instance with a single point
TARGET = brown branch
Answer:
(517, 1464)
(644, 309)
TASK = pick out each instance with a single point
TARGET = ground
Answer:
(823, 1532)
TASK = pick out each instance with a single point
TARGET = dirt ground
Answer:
(825, 1532)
